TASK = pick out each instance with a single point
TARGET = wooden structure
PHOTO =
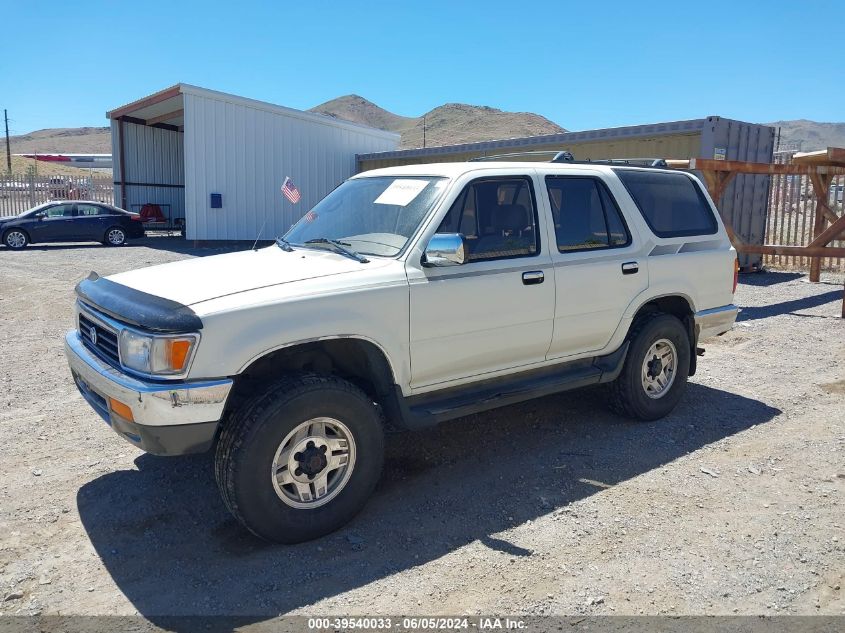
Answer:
(820, 166)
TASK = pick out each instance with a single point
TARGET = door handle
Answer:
(630, 268)
(533, 277)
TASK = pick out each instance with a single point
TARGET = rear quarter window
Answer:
(672, 204)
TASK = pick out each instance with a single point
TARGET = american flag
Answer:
(290, 191)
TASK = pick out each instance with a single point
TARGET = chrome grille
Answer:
(99, 338)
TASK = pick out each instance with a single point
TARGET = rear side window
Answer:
(672, 205)
(585, 215)
(90, 209)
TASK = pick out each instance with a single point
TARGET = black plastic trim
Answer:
(429, 409)
(135, 307)
(180, 439)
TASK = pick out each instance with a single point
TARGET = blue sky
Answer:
(581, 64)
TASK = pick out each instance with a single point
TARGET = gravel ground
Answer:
(731, 505)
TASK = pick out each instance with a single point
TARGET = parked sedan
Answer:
(71, 221)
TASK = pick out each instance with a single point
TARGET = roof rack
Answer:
(564, 156)
(480, 159)
(633, 162)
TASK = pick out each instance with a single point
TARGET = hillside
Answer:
(74, 140)
(21, 165)
(811, 134)
(444, 125)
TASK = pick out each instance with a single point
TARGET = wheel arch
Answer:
(678, 305)
(358, 359)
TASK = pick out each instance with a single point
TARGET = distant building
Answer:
(217, 161)
(84, 161)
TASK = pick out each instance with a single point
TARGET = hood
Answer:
(191, 281)
(6, 218)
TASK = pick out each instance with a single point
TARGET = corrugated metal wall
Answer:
(675, 139)
(745, 201)
(154, 156)
(245, 153)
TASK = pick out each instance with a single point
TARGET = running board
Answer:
(429, 409)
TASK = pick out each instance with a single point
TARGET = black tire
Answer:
(627, 395)
(114, 236)
(253, 433)
(16, 244)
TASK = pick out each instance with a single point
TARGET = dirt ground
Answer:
(731, 505)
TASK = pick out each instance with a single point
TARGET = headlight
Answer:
(151, 354)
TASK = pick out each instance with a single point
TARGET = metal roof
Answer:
(167, 106)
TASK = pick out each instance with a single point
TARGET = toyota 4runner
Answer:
(408, 296)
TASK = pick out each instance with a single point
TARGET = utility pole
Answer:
(8, 149)
(423, 130)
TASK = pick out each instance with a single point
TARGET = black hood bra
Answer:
(135, 307)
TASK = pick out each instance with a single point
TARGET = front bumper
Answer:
(168, 418)
(715, 321)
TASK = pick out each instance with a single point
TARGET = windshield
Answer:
(35, 209)
(373, 216)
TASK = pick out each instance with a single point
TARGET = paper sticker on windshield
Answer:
(401, 192)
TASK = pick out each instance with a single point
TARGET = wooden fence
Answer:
(791, 214)
(19, 192)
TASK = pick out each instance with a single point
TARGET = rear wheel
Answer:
(115, 236)
(300, 460)
(15, 239)
(654, 377)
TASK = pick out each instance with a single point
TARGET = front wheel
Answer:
(115, 236)
(300, 460)
(655, 373)
(15, 239)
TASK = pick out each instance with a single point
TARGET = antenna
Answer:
(255, 246)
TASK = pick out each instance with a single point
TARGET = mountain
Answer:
(445, 125)
(358, 110)
(73, 140)
(807, 135)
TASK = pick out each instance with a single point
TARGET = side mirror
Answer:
(40, 215)
(445, 249)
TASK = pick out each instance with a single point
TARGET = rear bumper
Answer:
(715, 321)
(168, 418)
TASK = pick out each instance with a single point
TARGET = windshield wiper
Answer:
(284, 244)
(339, 247)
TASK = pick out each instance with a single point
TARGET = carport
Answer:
(215, 161)
(149, 157)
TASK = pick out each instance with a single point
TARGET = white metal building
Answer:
(218, 160)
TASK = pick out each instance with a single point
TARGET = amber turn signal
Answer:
(121, 409)
(176, 353)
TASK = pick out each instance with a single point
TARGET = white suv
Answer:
(408, 296)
